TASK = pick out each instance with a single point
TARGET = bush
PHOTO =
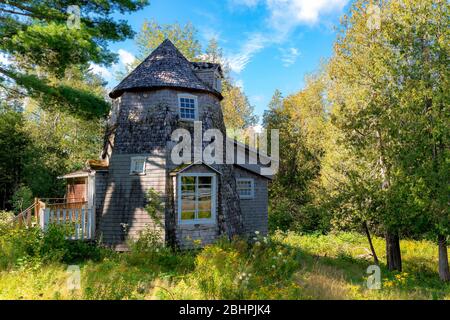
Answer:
(238, 269)
(20, 246)
(150, 240)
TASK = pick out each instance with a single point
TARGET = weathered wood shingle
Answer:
(165, 67)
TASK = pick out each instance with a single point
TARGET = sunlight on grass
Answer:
(286, 266)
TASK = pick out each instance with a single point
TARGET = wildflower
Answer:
(254, 238)
(256, 232)
(257, 243)
(273, 266)
(280, 253)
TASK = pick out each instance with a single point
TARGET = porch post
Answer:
(91, 204)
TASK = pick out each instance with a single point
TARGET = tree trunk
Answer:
(393, 255)
(444, 273)
(369, 238)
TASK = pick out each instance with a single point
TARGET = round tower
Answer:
(164, 93)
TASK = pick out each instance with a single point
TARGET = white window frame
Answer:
(132, 165)
(188, 96)
(252, 186)
(211, 220)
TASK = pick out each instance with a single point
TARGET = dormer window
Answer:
(187, 104)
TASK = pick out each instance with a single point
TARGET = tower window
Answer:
(188, 106)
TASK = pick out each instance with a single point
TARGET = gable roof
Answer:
(165, 67)
(184, 166)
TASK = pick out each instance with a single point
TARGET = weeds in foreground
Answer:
(283, 266)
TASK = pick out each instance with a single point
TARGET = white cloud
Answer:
(101, 71)
(238, 61)
(289, 56)
(285, 14)
(125, 57)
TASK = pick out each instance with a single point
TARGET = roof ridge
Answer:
(166, 66)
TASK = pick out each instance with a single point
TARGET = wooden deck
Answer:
(76, 216)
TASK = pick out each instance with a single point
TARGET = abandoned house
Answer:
(200, 201)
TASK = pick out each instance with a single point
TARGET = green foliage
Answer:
(239, 270)
(150, 240)
(238, 113)
(154, 206)
(40, 142)
(185, 38)
(284, 266)
(22, 198)
(80, 102)
(30, 247)
(38, 36)
(301, 119)
(13, 150)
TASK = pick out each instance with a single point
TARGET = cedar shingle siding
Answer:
(144, 116)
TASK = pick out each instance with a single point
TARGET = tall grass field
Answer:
(281, 266)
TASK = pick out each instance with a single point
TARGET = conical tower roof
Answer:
(165, 67)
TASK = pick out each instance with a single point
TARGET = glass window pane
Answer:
(188, 205)
(204, 205)
(187, 215)
(204, 180)
(188, 180)
(188, 188)
(245, 188)
(204, 214)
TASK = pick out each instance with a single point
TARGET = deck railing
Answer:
(29, 216)
(79, 221)
(75, 216)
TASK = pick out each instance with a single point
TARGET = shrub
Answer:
(150, 240)
(238, 269)
(25, 246)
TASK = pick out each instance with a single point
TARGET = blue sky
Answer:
(269, 44)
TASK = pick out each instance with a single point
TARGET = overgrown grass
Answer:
(283, 266)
